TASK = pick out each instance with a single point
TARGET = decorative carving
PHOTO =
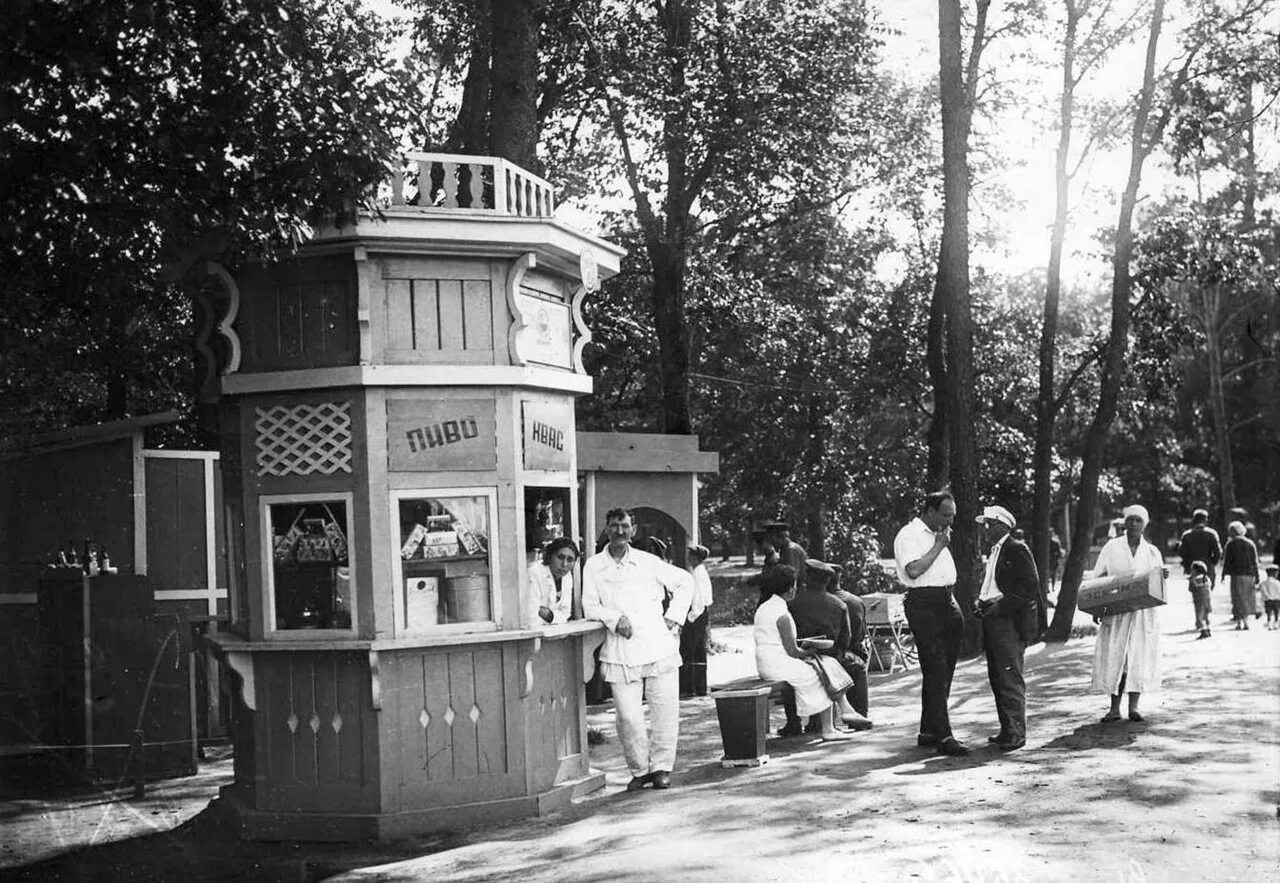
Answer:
(584, 333)
(515, 275)
(304, 439)
(229, 317)
(528, 668)
(590, 643)
(242, 665)
(375, 683)
(588, 270)
(363, 298)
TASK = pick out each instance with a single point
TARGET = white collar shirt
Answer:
(634, 586)
(912, 543)
(990, 591)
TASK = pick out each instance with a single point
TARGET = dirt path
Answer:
(1192, 794)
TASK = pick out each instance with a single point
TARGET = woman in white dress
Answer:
(1126, 655)
(780, 658)
(551, 584)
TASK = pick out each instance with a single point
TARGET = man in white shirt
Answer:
(624, 588)
(925, 566)
(1007, 605)
(693, 638)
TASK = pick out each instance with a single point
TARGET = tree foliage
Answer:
(137, 134)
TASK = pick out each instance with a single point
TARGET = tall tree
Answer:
(952, 313)
(1081, 52)
(725, 114)
(1149, 125)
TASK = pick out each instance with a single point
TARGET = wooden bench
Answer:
(742, 707)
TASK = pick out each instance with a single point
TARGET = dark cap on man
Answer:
(772, 526)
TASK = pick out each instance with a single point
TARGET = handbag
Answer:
(835, 680)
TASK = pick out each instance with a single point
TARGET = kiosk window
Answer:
(310, 564)
(445, 561)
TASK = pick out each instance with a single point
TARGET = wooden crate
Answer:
(1122, 593)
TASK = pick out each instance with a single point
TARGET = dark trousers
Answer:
(1005, 648)
(938, 629)
(857, 670)
(693, 656)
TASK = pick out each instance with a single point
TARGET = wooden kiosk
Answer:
(399, 442)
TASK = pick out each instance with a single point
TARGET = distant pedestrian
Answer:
(1270, 589)
(693, 639)
(1201, 586)
(1055, 556)
(1240, 567)
(1126, 654)
(1200, 543)
(925, 567)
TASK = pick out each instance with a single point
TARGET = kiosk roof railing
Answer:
(451, 181)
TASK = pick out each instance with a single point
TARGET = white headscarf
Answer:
(1139, 511)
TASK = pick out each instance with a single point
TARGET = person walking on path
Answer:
(624, 588)
(1270, 590)
(925, 567)
(1201, 587)
(1240, 566)
(1200, 543)
(1011, 609)
(1126, 654)
(693, 638)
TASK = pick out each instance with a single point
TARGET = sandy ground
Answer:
(1191, 794)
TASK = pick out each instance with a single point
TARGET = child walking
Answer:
(1201, 586)
(1270, 589)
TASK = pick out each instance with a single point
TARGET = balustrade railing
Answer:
(471, 183)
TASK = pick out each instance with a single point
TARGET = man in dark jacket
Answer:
(855, 661)
(1200, 543)
(1011, 609)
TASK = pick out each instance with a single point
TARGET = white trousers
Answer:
(644, 754)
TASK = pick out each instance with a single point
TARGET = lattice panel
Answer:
(304, 439)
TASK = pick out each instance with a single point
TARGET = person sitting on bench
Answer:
(780, 658)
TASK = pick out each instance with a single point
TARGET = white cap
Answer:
(997, 513)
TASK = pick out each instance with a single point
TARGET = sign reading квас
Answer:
(547, 428)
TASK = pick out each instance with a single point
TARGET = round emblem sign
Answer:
(588, 270)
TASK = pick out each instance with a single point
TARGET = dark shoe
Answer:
(792, 728)
(1111, 717)
(1010, 744)
(926, 740)
(1134, 716)
(1204, 633)
(998, 738)
(638, 783)
(661, 780)
(813, 728)
(952, 748)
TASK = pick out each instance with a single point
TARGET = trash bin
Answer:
(744, 721)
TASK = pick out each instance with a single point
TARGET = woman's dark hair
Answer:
(776, 581)
(556, 545)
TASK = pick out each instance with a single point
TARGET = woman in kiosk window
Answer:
(551, 584)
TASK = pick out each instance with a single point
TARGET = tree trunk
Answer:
(669, 263)
(470, 131)
(1113, 366)
(1211, 315)
(1046, 411)
(513, 132)
(953, 287)
(939, 465)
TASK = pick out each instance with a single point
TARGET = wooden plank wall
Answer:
(439, 310)
(462, 749)
(177, 547)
